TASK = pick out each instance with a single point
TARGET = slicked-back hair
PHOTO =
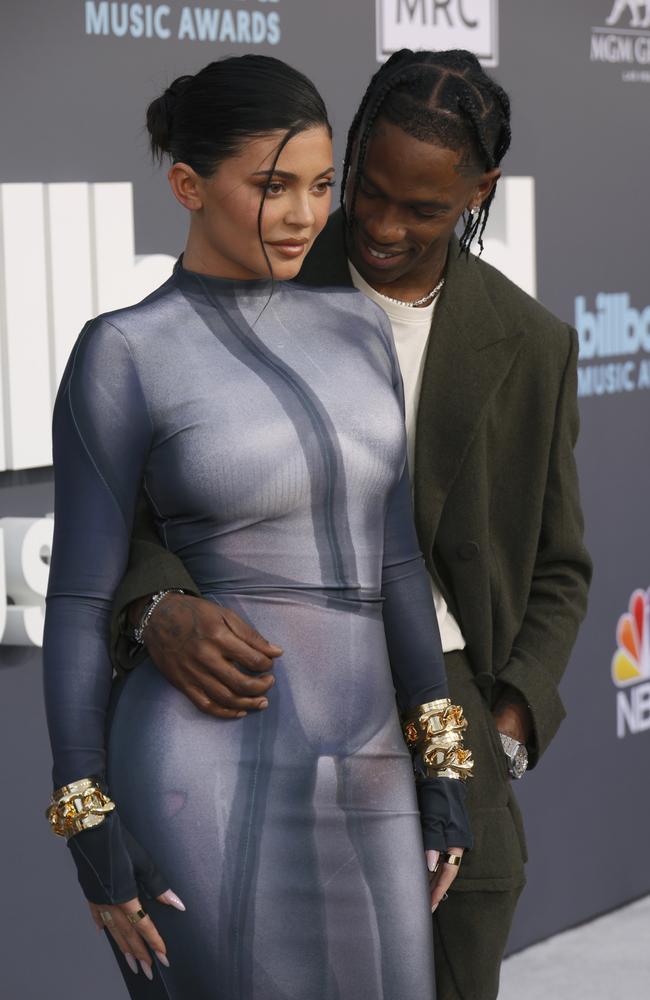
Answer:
(204, 119)
(445, 98)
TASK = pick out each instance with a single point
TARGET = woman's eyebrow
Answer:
(287, 176)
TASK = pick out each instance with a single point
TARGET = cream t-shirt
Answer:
(411, 328)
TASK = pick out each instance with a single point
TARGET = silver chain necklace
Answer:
(418, 302)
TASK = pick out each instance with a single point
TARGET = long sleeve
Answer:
(416, 656)
(102, 432)
(558, 595)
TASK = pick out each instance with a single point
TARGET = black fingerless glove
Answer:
(112, 866)
(443, 813)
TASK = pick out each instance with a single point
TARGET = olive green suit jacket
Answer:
(497, 504)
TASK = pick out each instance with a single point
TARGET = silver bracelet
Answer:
(138, 631)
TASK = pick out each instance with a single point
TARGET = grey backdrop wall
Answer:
(75, 78)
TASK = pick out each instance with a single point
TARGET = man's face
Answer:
(409, 199)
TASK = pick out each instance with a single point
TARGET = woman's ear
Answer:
(186, 186)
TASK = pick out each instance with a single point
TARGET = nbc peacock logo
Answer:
(631, 666)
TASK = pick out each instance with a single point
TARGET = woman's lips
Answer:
(290, 249)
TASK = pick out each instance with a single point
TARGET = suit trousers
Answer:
(471, 927)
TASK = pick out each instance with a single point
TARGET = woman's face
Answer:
(224, 238)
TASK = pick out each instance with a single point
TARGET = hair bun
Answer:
(160, 117)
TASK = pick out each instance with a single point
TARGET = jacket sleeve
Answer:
(415, 653)
(151, 567)
(102, 434)
(557, 601)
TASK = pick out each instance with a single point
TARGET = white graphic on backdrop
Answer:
(79, 242)
(614, 345)
(624, 41)
(438, 24)
(639, 13)
(510, 235)
(25, 549)
(190, 23)
(66, 254)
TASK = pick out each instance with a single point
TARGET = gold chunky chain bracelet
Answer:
(78, 806)
(435, 731)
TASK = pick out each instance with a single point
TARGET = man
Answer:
(491, 410)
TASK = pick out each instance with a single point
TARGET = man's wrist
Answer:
(135, 610)
(149, 609)
(513, 716)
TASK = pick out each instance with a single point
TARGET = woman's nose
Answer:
(300, 212)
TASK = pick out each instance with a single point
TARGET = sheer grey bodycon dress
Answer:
(269, 439)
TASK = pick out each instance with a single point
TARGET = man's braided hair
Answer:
(445, 98)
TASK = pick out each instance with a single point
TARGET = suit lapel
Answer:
(468, 356)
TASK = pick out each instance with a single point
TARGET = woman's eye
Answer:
(323, 186)
(275, 187)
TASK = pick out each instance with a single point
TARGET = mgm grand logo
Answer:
(624, 38)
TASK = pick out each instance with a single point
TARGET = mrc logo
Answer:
(438, 24)
(631, 666)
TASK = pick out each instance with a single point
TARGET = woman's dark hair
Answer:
(445, 98)
(203, 119)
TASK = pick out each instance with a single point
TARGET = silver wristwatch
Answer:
(516, 755)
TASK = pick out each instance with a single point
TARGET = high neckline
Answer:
(212, 284)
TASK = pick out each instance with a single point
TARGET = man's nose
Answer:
(384, 225)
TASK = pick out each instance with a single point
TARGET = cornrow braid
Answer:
(441, 97)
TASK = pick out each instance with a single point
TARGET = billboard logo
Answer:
(79, 241)
(192, 23)
(631, 666)
(614, 345)
(624, 39)
(438, 24)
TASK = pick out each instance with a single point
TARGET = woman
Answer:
(265, 420)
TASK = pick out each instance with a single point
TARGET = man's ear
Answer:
(186, 186)
(486, 184)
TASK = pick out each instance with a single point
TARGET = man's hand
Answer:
(512, 716)
(198, 646)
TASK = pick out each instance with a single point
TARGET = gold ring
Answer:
(106, 917)
(136, 916)
(452, 859)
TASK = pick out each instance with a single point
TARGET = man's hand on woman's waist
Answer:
(199, 647)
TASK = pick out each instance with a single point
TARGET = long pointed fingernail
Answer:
(263, 703)
(146, 969)
(434, 907)
(432, 861)
(173, 900)
(162, 958)
(131, 962)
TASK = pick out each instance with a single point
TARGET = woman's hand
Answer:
(441, 873)
(132, 938)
